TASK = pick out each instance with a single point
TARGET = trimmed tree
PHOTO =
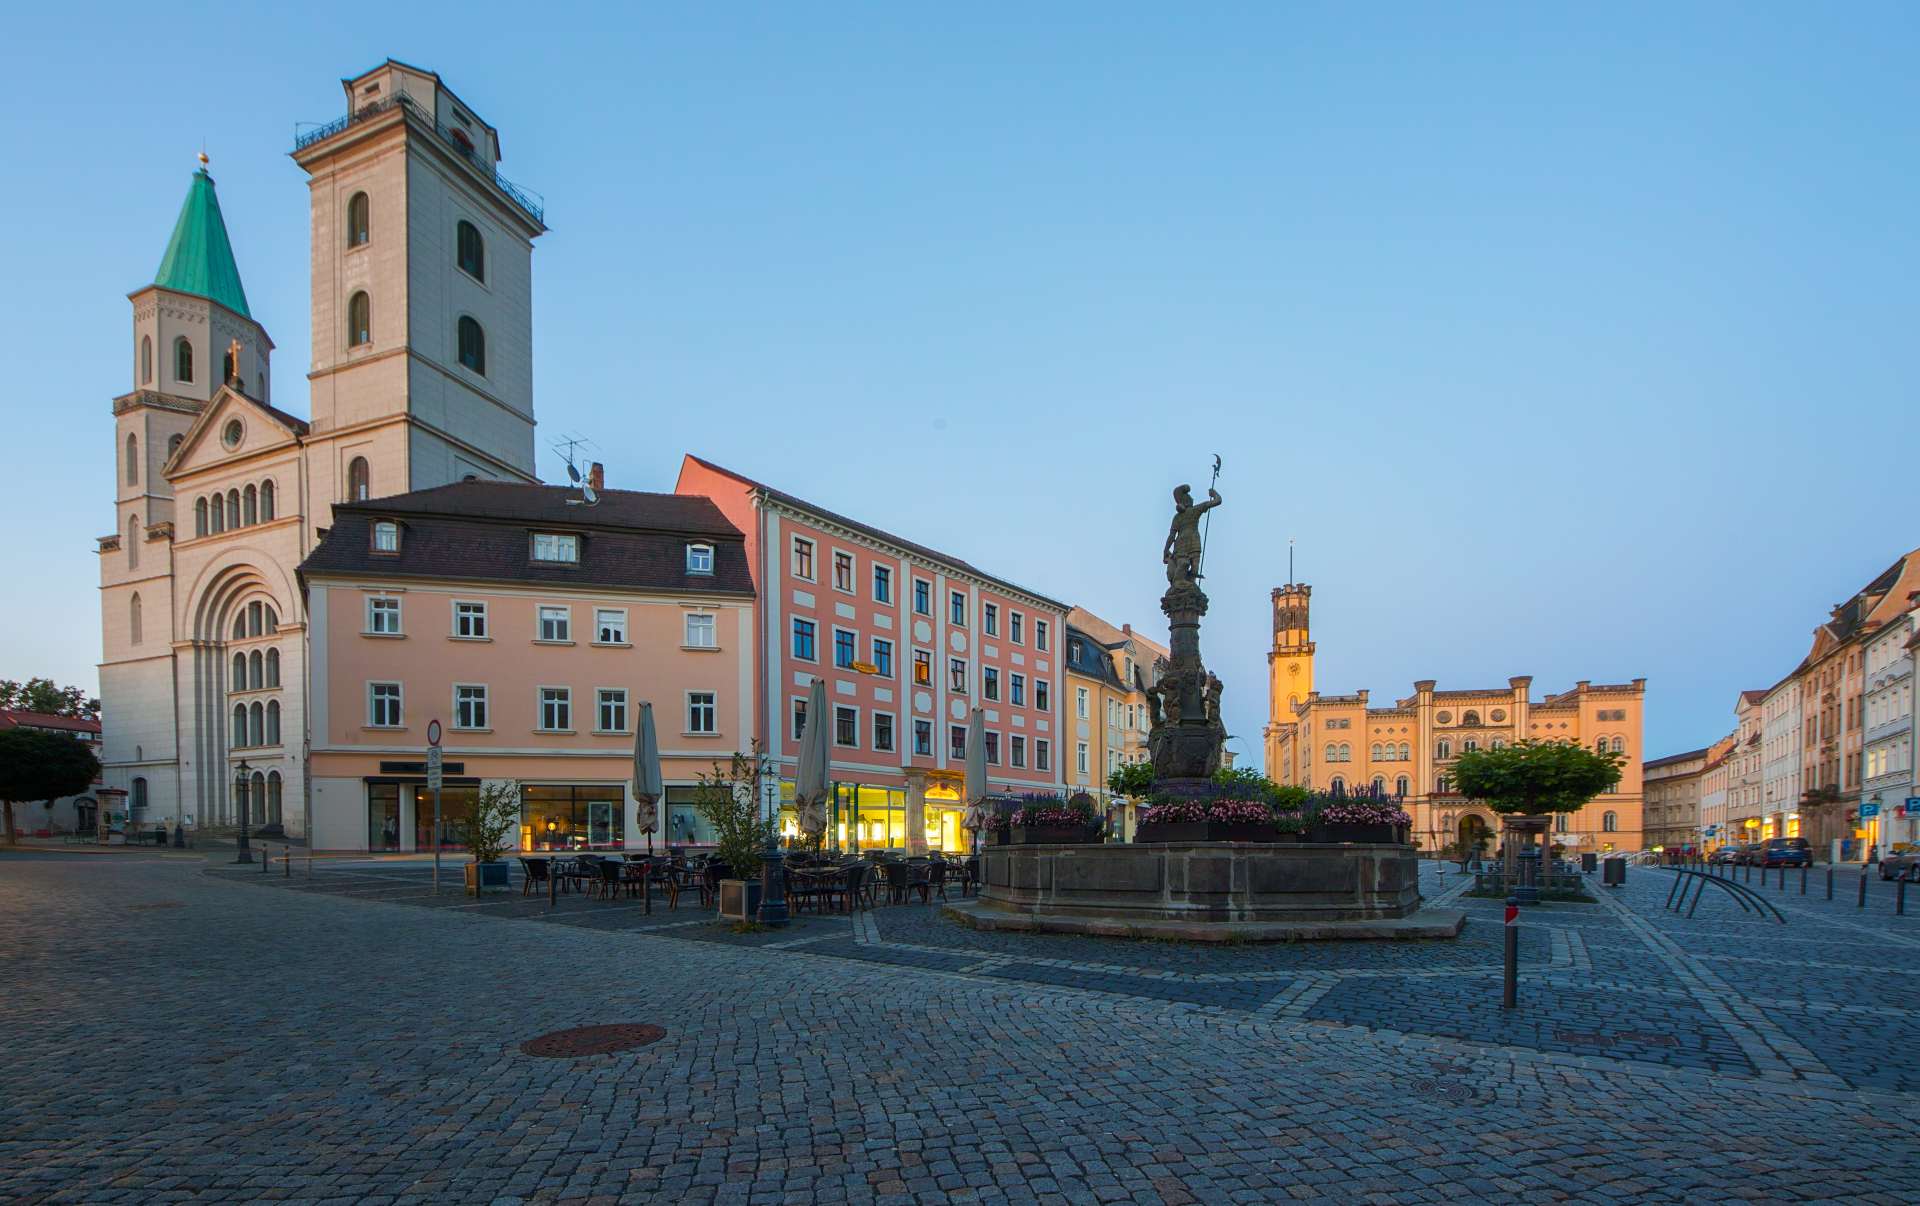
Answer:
(41, 766)
(1536, 778)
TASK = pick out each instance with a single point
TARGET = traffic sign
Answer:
(434, 774)
(433, 733)
(1869, 808)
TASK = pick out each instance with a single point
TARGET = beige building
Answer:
(1108, 672)
(1674, 787)
(1346, 743)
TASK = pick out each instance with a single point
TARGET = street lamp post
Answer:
(244, 854)
(773, 884)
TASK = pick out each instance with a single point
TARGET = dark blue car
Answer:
(1787, 852)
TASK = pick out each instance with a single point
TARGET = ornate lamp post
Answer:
(773, 883)
(244, 854)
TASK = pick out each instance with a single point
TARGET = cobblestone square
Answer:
(183, 1030)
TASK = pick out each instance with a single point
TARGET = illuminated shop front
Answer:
(579, 817)
(400, 814)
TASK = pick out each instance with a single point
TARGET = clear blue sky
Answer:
(1578, 344)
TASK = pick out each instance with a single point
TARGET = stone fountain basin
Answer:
(1207, 891)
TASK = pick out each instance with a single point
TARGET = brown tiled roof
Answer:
(481, 531)
(1754, 697)
(921, 550)
(1672, 758)
(12, 718)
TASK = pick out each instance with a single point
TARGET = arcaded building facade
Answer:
(1346, 742)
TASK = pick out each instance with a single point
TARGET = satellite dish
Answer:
(592, 496)
(572, 472)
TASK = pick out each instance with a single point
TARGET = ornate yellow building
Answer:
(1407, 750)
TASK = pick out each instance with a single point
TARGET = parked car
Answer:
(1902, 865)
(1726, 855)
(1785, 852)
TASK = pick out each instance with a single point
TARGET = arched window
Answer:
(139, 799)
(233, 508)
(146, 360)
(256, 618)
(257, 725)
(473, 345)
(239, 625)
(1470, 717)
(1379, 785)
(1610, 822)
(1406, 752)
(273, 722)
(1338, 787)
(239, 725)
(1373, 751)
(1443, 785)
(183, 360)
(1469, 745)
(133, 459)
(1619, 745)
(173, 444)
(359, 320)
(1401, 786)
(250, 505)
(256, 670)
(472, 252)
(202, 525)
(273, 797)
(357, 479)
(1498, 743)
(266, 502)
(1442, 749)
(1600, 745)
(359, 228)
(239, 680)
(133, 541)
(133, 619)
(273, 620)
(1560, 823)
(273, 667)
(257, 798)
(1346, 752)
(1333, 752)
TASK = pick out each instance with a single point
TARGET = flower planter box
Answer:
(1052, 835)
(1336, 831)
(740, 899)
(487, 877)
(1211, 831)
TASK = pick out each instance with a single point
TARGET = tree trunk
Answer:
(7, 806)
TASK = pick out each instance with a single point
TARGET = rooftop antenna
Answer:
(1289, 561)
(568, 446)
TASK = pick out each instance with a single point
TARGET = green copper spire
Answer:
(199, 258)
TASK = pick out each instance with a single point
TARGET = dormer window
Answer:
(699, 559)
(557, 547)
(386, 536)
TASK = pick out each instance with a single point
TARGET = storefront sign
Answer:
(863, 668)
(420, 768)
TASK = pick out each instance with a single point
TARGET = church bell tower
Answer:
(1289, 662)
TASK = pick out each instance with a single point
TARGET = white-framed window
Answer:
(992, 739)
(469, 706)
(882, 584)
(805, 640)
(923, 667)
(383, 705)
(843, 571)
(990, 619)
(612, 714)
(383, 616)
(562, 547)
(609, 626)
(556, 709)
(803, 558)
(1040, 635)
(923, 738)
(1016, 750)
(922, 597)
(846, 648)
(702, 715)
(556, 623)
(883, 657)
(701, 631)
(1040, 690)
(990, 682)
(957, 608)
(883, 732)
(798, 727)
(699, 559)
(1080, 757)
(957, 742)
(957, 674)
(386, 536)
(1080, 702)
(470, 619)
(1017, 690)
(1015, 623)
(846, 726)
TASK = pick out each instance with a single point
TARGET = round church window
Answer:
(1499, 714)
(230, 434)
(1444, 717)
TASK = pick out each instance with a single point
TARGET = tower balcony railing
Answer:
(529, 201)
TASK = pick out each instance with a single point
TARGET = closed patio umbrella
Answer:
(647, 787)
(810, 782)
(976, 769)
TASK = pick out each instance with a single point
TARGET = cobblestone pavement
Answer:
(178, 1030)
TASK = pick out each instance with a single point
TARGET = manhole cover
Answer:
(161, 904)
(592, 1040)
(1454, 1091)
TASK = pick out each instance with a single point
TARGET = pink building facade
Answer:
(532, 627)
(909, 640)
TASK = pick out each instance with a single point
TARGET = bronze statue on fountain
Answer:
(1188, 729)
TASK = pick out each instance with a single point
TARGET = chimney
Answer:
(597, 476)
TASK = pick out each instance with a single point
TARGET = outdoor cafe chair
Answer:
(937, 878)
(534, 871)
(609, 877)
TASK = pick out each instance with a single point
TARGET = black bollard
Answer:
(1510, 991)
(1804, 868)
(1863, 890)
(1900, 897)
(1829, 883)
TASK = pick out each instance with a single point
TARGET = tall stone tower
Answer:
(422, 294)
(1289, 662)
